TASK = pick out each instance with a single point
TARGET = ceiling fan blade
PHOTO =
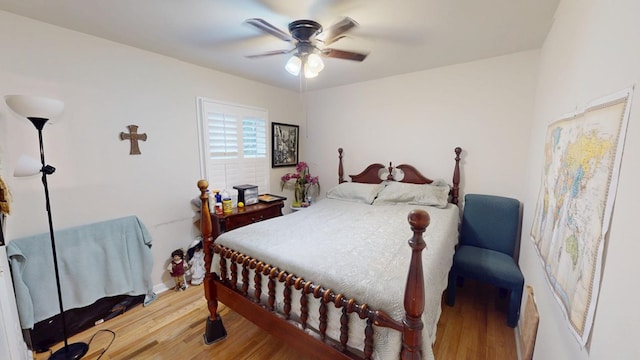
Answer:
(334, 40)
(342, 54)
(264, 26)
(335, 32)
(269, 53)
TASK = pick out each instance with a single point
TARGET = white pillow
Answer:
(356, 192)
(415, 194)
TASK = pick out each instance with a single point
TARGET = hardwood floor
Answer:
(476, 327)
(172, 327)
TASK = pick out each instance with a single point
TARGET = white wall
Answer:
(419, 118)
(486, 107)
(592, 50)
(105, 87)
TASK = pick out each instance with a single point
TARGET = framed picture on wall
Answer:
(284, 144)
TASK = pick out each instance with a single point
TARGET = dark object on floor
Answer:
(489, 234)
(215, 331)
(47, 333)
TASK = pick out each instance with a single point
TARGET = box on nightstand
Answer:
(248, 194)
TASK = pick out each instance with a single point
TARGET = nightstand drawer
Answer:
(250, 214)
(251, 217)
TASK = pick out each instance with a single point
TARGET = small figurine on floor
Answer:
(196, 263)
(177, 268)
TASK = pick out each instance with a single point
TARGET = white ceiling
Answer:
(401, 36)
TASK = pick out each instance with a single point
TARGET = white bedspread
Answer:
(369, 257)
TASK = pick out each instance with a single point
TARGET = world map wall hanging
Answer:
(583, 152)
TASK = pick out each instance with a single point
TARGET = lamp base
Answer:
(70, 352)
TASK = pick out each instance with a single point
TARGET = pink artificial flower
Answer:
(301, 176)
(302, 166)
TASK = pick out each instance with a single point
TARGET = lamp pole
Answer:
(76, 350)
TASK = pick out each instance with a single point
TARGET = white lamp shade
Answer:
(314, 63)
(27, 166)
(308, 73)
(34, 106)
(293, 65)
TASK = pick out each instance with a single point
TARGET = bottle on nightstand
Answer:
(227, 204)
(217, 202)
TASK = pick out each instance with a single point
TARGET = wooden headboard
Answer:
(371, 174)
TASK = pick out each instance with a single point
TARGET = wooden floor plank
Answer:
(475, 329)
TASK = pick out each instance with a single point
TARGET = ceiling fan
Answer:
(310, 44)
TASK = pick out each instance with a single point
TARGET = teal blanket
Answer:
(102, 259)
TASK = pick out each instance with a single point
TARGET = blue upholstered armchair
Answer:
(488, 236)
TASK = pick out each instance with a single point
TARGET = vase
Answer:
(299, 195)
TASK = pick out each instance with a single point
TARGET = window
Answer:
(233, 145)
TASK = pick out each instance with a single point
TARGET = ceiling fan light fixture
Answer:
(310, 44)
(293, 65)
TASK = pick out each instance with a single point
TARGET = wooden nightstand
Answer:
(250, 215)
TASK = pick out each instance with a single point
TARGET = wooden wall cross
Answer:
(133, 138)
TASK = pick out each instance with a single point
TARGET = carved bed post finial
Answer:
(414, 290)
(456, 177)
(390, 169)
(340, 169)
(214, 330)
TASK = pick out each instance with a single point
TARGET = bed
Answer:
(337, 279)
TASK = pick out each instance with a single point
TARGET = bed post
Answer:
(456, 178)
(414, 291)
(215, 330)
(340, 168)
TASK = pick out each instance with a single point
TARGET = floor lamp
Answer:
(39, 110)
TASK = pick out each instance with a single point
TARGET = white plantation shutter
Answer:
(223, 136)
(254, 138)
(233, 145)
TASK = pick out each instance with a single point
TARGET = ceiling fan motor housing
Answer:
(303, 30)
(303, 33)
